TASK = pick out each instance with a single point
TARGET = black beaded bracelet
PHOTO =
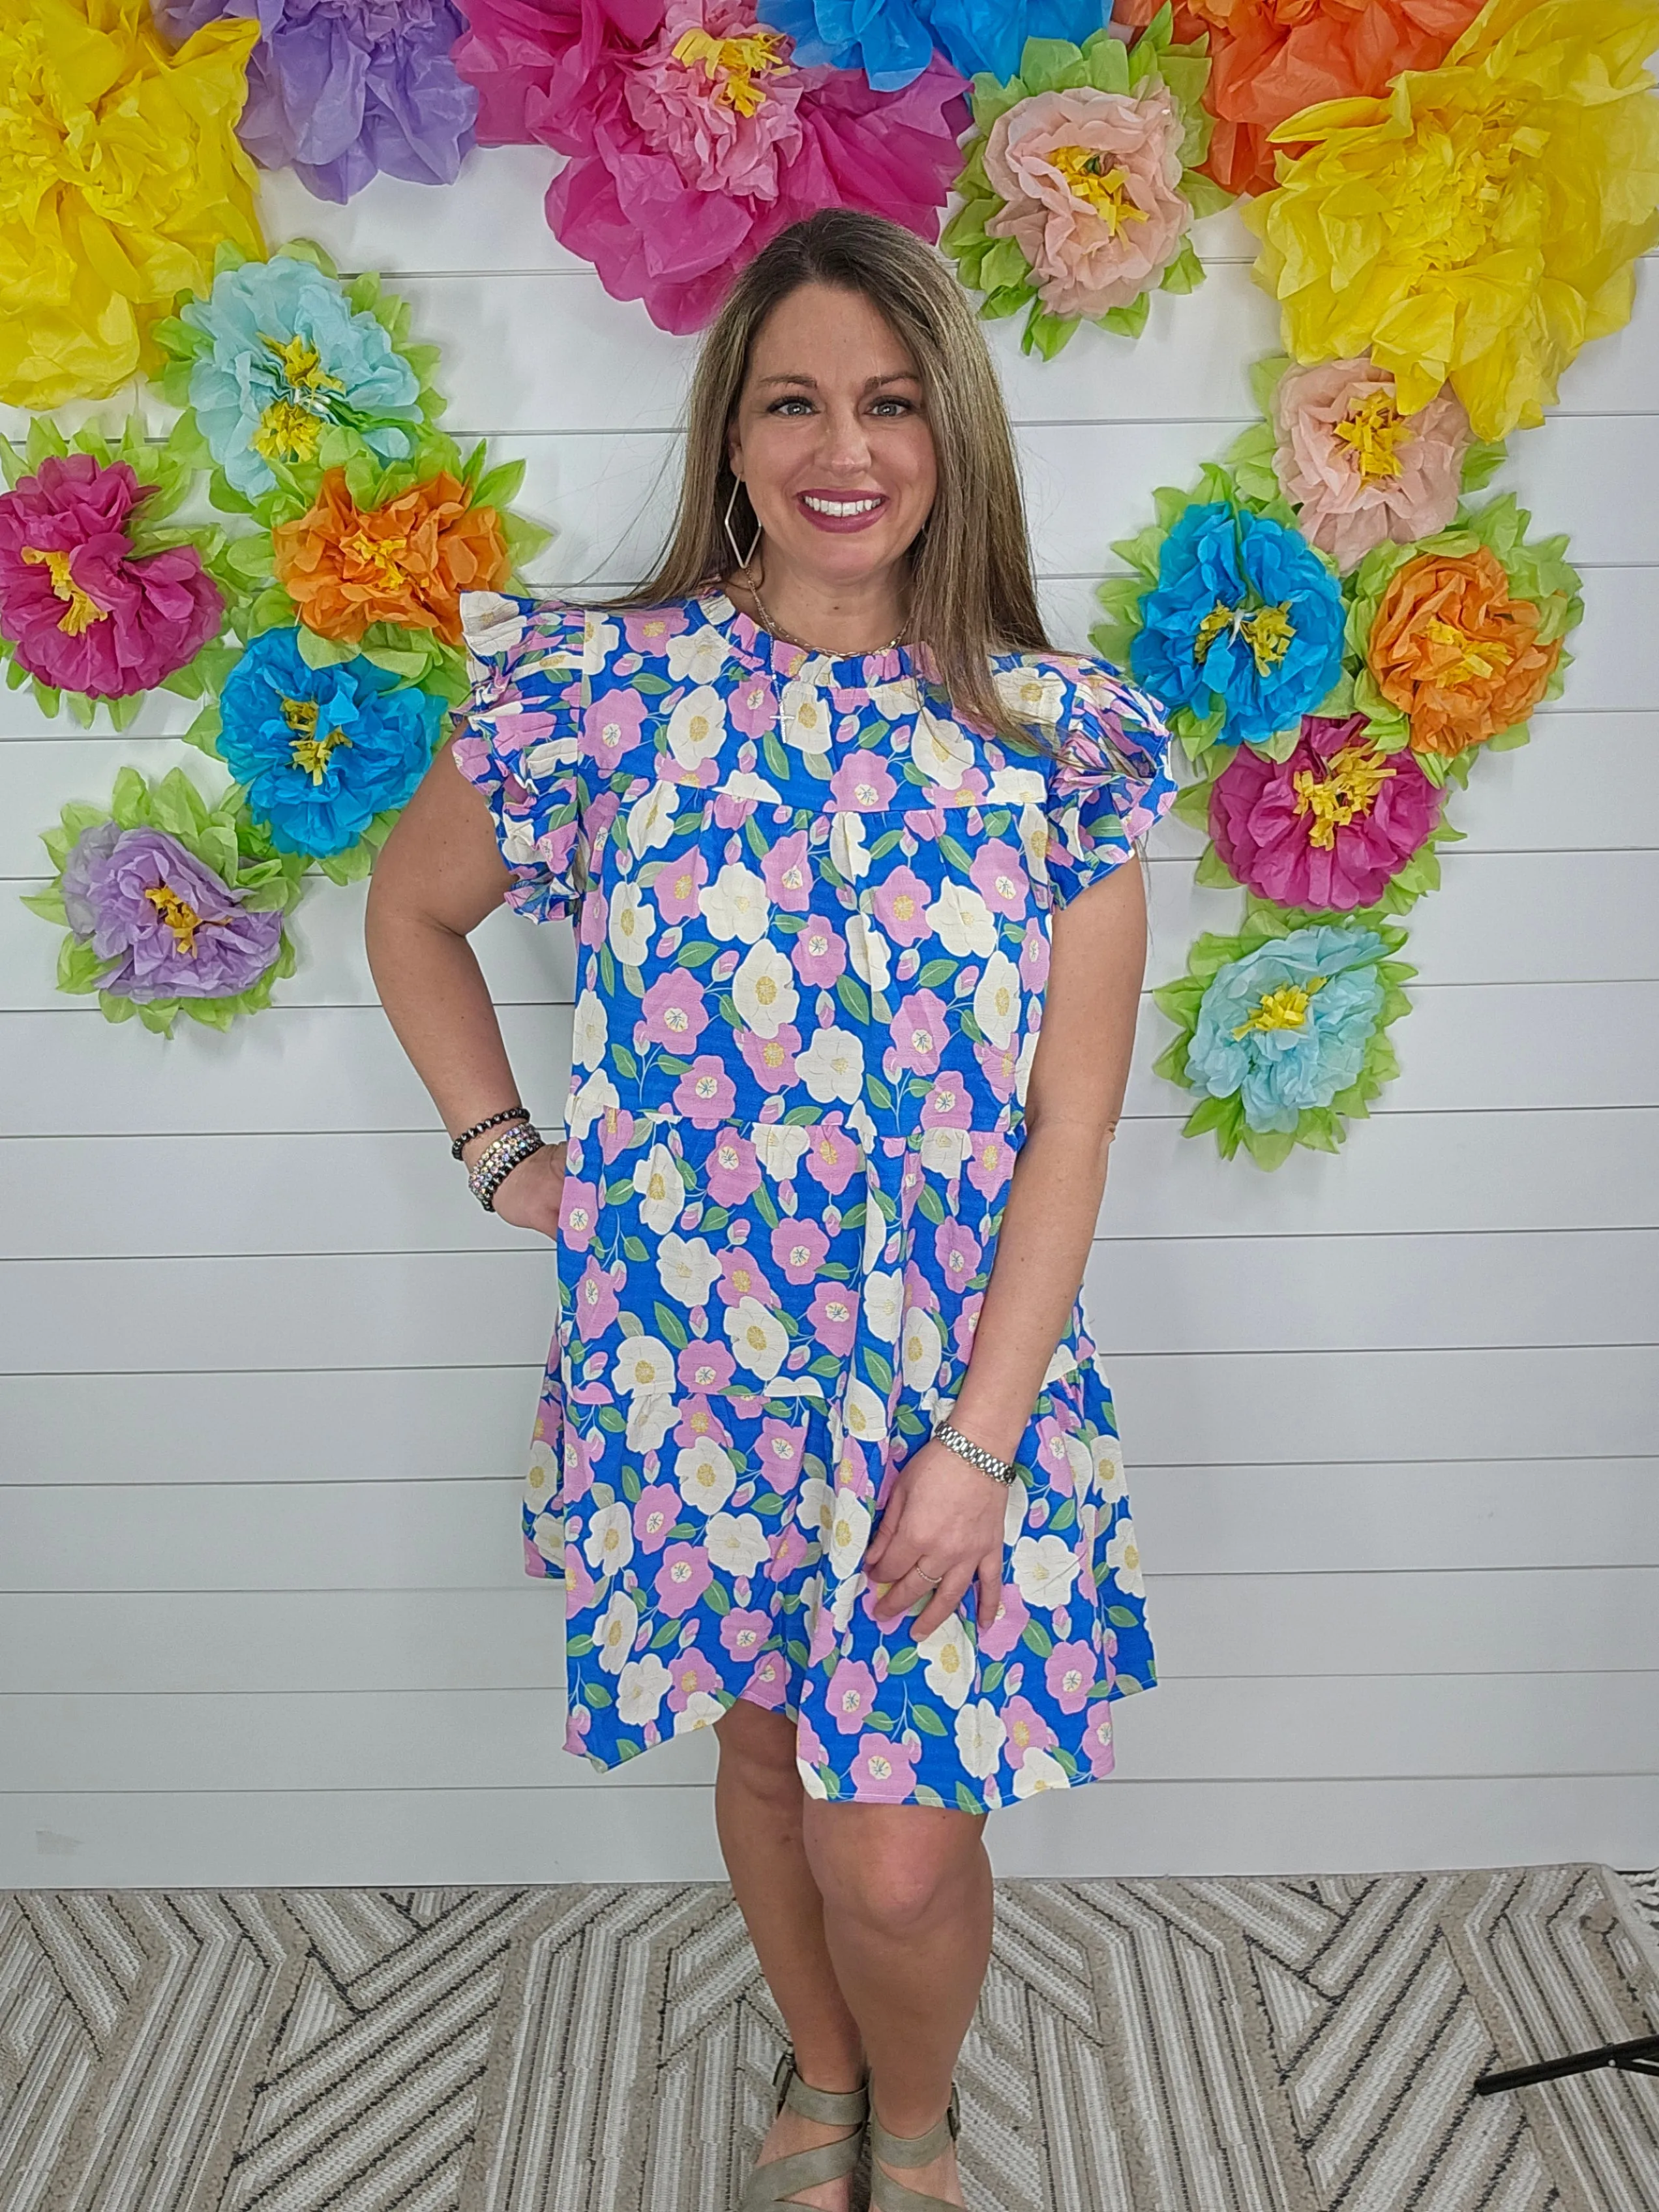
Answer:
(508, 1113)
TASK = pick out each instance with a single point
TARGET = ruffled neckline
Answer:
(856, 672)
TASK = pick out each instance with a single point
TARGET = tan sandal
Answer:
(776, 2182)
(887, 2194)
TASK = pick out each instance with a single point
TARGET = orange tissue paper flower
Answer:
(1455, 653)
(408, 562)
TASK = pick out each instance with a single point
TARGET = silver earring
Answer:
(743, 560)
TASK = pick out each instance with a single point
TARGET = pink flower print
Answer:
(689, 1672)
(1097, 1740)
(788, 873)
(798, 1247)
(998, 875)
(733, 1172)
(1027, 1730)
(771, 1059)
(849, 1695)
(958, 1252)
(673, 1012)
(595, 918)
(819, 952)
(1069, 1671)
(1034, 957)
(742, 1633)
(611, 726)
(928, 823)
(741, 1277)
(704, 1365)
(862, 783)
(595, 1303)
(578, 1214)
(779, 1451)
(946, 1105)
(807, 1744)
(649, 633)
(999, 1065)
(822, 1641)
(681, 1578)
(962, 1333)
(678, 885)
(580, 1587)
(919, 1031)
(705, 1094)
(883, 1773)
(997, 1638)
(990, 1164)
(656, 1509)
(902, 901)
(616, 1133)
(697, 1422)
(833, 1155)
(834, 1317)
(753, 707)
(769, 1686)
(791, 1550)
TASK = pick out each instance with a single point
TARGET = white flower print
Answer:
(980, 1738)
(864, 1414)
(804, 718)
(651, 819)
(614, 1631)
(1013, 1517)
(849, 1532)
(1045, 1567)
(1107, 1454)
(1033, 695)
(1028, 1045)
(550, 759)
(996, 1000)
(610, 1540)
(895, 699)
(849, 854)
(764, 989)
(1123, 1558)
(600, 639)
(869, 953)
(592, 1032)
(651, 1414)
(832, 1066)
(643, 1363)
(1034, 842)
(1037, 1772)
(696, 728)
(735, 905)
(944, 1151)
(662, 1193)
(640, 1688)
(951, 1658)
(596, 1098)
(849, 1591)
(700, 1710)
(697, 656)
(780, 1146)
(705, 1475)
(633, 925)
(1019, 787)
(737, 1543)
(922, 1349)
(811, 1780)
(687, 1269)
(547, 1534)
(940, 750)
(962, 922)
(884, 1305)
(814, 1508)
(743, 783)
(757, 1338)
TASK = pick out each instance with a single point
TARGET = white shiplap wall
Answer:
(269, 1372)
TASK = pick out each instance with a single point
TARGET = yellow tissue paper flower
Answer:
(1477, 222)
(119, 172)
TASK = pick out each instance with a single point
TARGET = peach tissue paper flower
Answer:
(1358, 471)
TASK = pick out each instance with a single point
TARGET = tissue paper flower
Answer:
(339, 89)
(322, 751)
(120, 170)
(892, 41)
(1079, 188)
(1482, 221)
(1274, 56)
(82, 610)
(406, 561)
(694, 138)
(1284, 1031)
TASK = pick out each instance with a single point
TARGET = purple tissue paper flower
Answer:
(339, 89)
(183, 931)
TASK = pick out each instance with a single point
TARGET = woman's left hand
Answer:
(943, 1524)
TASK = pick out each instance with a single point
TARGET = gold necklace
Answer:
(789, 637)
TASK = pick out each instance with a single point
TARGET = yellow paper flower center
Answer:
(1286, 1008)
(82, 610)
(180, 917)
(1355, 775)
(1267, 631)
(301, 364)
(1373, 430)
(287, 433)
(731, 66)
(1088, 178)
(310, 752)
(379, 554)
(1480, 662)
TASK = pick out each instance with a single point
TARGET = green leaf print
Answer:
(698, 954)
(936, 972)
(878, 1369)
(956, 854)
(924, 1796)
(632, 1486)
(929, 1202)
(1037, 1637)
(578, 1647)
(1121, 1617)
(800, 1651)
(776, 758)
(966, 1800)
(595, 1694)
(672, 1329)
(667, 1634)
(612, 1419)
(904, 1661)
(876, 1719)
(715, 1598)
(927, 1720)
(1064, 1515)
(854, 997)
(633, 1249)
(990, 1680)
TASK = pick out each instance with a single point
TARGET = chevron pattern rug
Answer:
(1243, 2045)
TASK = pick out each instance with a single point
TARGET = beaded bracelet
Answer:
(508, 1113)
(498, 1161)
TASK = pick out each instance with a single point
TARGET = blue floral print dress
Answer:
(812, 933)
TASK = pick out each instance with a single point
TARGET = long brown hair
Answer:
(971, 588)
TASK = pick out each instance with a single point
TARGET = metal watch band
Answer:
(1000, 1470)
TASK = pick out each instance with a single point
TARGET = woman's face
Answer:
(831, 439)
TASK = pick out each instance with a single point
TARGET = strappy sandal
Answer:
(776, 2183)
(887, 2194)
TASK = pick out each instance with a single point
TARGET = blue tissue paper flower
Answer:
(322, 750)
(892, 41)
(1288, 1025)
(1245, 613)
(290, 357)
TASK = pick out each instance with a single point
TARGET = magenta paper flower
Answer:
(694, 138)
(1361, 472)
(180, 930)
(1329, 827)
(81, 610)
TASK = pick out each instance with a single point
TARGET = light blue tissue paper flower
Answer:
(1287, 1026)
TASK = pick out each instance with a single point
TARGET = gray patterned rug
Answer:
(1177, 2045)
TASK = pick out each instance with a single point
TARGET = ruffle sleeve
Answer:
(1111, 781)
(520, 740)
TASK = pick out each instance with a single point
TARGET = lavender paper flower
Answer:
(179, 929)
(338, 89)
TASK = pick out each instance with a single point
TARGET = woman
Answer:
(839, 831)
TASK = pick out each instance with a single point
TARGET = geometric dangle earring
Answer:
(742, 559)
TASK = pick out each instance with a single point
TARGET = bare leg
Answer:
(758, 1802)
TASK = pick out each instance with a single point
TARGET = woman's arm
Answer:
(948, 1514)
(436, 877)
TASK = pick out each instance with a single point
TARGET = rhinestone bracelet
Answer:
(498, 1161)
(508, 1113)
(1000, 1470)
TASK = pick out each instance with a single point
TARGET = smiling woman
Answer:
(825, 1456)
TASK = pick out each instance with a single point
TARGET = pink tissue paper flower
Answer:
(1360, 473)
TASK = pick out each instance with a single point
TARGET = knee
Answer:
(757, 1755)
(894, 1868)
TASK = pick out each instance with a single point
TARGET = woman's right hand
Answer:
(528, 1199)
